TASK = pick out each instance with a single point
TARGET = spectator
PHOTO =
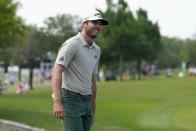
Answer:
(154, 70)
(23, 87)
(42, 77)
(143, 68)
(12, 80)
(191, 70)
(19, 88)
(2, 88)
(148, 69)
(124, 75)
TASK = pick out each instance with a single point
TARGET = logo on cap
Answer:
(98, 15)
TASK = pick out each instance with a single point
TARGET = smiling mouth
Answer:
(96, 31)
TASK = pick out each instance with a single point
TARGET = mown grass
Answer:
(163, 104)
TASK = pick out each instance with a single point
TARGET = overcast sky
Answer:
(176, 18)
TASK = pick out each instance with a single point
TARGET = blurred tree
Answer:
(12, 30)
(188, 51)
(5, 56)
(12, 27)
(60, 28)
(33, 49)
(118, 39)
(169, 55)
(148, 44)
(17, 59)
(128, 38)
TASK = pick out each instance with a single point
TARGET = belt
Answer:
(83, 97)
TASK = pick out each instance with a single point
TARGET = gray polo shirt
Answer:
(80, 61)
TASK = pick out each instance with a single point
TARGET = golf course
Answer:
(154, 104)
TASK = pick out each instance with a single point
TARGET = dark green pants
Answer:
(78, 112)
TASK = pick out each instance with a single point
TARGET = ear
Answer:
(83, 23)
(86, 22)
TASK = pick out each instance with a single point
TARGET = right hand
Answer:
(59, 111)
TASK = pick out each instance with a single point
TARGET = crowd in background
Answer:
(149, 70)
(10, 81)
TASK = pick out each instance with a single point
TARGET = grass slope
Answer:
(148, 105)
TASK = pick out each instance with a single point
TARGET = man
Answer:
(74, 76)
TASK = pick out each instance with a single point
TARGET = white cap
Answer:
(95, 16)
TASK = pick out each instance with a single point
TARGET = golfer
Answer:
(74, 76)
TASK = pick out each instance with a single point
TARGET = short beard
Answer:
(92, 36)
(89, 34)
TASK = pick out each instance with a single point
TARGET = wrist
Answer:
(57, 101)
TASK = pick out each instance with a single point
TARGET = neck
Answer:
(88, 39)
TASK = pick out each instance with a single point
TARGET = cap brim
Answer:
(104, 22)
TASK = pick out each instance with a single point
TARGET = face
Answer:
(93, 28)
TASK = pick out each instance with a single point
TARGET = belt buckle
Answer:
(85, 98)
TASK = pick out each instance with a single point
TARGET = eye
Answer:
(97, 22)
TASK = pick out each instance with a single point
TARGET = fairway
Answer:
(162, 104)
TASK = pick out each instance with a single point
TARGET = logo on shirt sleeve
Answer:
(61, 59)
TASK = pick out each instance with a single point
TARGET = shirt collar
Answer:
(84, 43)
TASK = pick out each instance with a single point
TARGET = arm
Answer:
(58, 108)
(94, 93)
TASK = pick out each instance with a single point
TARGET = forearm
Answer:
(94, 93)
(58, 108)
(56, 84)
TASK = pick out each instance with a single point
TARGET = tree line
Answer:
(126, 43)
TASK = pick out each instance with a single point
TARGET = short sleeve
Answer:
(66, 53)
